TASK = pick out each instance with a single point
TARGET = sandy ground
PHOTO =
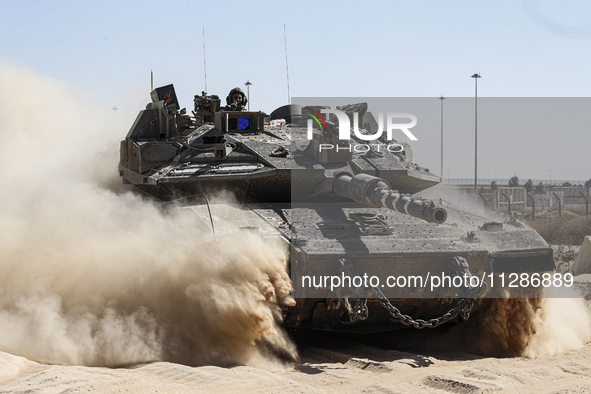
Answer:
(364, 369)
(329, 364)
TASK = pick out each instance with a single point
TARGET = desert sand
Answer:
(329, 363)
(355, 370)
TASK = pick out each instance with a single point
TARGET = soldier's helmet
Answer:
(233, 92)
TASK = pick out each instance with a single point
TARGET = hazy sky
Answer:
(104, 52)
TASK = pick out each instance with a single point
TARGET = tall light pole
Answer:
(441, 98)
(476, 76)
(248, 83)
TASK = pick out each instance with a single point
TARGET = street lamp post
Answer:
(441, 98)
(248, 83)
(476, 76)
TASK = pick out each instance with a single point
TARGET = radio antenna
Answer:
(151, 80)
(286, 64)
(211, 219)
(204, 65)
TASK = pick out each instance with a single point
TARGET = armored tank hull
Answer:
(320, 236)
(347, 215)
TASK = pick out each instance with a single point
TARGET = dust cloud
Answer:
(93, 274)
(548, 326)
(561, 325)
(505, 327)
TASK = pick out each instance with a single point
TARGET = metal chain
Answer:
(464, 308)
(359, 311)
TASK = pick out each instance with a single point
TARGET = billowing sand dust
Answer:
(100, 290)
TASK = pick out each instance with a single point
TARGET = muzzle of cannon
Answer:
(376, 192)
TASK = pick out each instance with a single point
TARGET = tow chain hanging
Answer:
(360, 311)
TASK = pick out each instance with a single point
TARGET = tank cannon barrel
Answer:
(375, 192)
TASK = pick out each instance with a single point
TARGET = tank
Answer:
(347, 209)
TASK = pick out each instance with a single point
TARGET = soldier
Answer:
(236, 100)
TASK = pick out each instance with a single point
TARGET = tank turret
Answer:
(261, 158)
